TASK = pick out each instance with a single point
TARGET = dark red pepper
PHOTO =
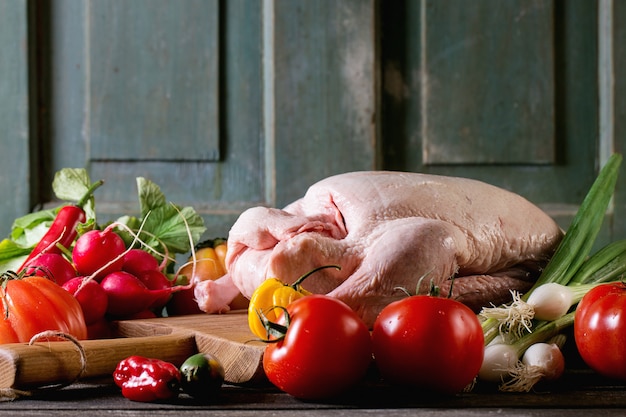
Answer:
(63, 229)
(147, 379)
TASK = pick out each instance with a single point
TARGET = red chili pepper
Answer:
(63, 229)
(146, 379)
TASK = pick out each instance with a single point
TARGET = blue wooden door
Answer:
(510, 92)
(230, 104)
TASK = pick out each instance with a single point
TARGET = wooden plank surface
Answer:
(173, 339)
(578, 390)
(585, 394)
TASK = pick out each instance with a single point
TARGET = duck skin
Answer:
(387, 230)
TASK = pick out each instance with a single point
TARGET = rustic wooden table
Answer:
(578, 392)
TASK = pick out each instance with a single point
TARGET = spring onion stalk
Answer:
(578, 240)
(541, 361)
(607, 264)
(501, 358)
(582, 232)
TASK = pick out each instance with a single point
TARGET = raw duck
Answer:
(388, 230)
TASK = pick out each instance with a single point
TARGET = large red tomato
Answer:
(326, 349)
(600, 329)
(36, 304)
(428, 342)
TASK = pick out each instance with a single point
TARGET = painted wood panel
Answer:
(153, 80)
(617, 103)
(304, 89)
(487, 82)
(296, 98)
(16, 182)
(219, 188)
(558, 186)
(324, 80)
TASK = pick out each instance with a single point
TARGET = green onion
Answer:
(549, 306)
(571, 254)
(500, 358)
(582, 232)
(541, 361)
(607, 264)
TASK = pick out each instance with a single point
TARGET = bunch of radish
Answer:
(108, 280)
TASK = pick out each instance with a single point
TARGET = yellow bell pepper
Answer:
(271, 297)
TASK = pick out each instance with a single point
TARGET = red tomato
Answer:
(428, 342)
(600, 329)
(36, 304)
(326, 349)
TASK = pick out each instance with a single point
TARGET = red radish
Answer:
(128, 295)
(138, 260)
(52, 265)
(156, 280)
(101, 329)
(91, 297)
(183, 303)
(145, 314)
(95, 249)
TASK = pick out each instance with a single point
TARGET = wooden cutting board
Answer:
(173, 339)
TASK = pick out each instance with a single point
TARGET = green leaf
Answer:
(9, 249)
(164, 225)
(27, 230)
(150, 196)
(11, 255)
(33, 219)
(167, 224)
(71, 184)
(133, 223)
